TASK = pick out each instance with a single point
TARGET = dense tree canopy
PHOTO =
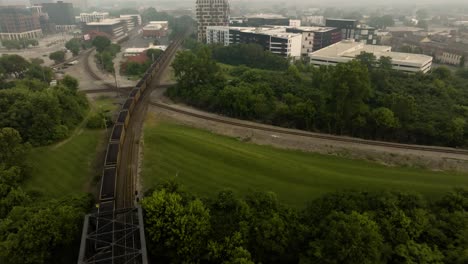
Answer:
(57, 56)
(33, 228)
(362, 98)
(74, 45)
(343, 227)
(251, 55)
(42, 115)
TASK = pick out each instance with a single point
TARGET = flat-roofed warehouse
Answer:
(347, 50)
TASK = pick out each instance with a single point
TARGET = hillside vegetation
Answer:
(206, 162)
(362, 98)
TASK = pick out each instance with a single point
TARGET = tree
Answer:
(13, 150)
(70, 82)
(384, 118)
(58, 56)
(347, 238)
(11, 44)
(30, 235)
(74, 45)
(177, 229)
(153, 54)
(14, 64)
(368, 59)
(101, 43)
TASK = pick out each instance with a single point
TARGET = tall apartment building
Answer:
(93, 17)
(19, 23)
(211, 13)
(60, 13)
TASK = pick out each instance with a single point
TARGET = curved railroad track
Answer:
(314, 135)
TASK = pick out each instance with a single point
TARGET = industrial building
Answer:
(112, 27)
(19, 23)
(211, 13)
(347, 50)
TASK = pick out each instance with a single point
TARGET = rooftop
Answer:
(270, 16)
(105, 22)
(350, 49)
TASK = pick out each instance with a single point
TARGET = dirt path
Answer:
(380, 154)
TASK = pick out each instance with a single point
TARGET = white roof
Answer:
(350, 49)
(158, 22)
(140, 50)
(105, 22)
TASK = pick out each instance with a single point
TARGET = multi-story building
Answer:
(313, 20)
(93, 17)
(347, 50)
(19, 23)
(60, 13)
(46, 26)
(315, 38)
(81, 4)
(259, 20)
(365, 34)
(115, 28)
(156, 29)
(129, 21)
(347, 26)
(218, 35)
(277, 41)
(211, 13)
(312, 38)
(135, 17)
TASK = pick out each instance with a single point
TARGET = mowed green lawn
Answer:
(64, 168)
(206, 163)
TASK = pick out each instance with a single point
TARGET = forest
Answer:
(33, 227)
(353, 227)
(363, 98)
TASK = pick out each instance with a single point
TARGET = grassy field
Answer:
(67, 167)
(64, 168)
(206, 163)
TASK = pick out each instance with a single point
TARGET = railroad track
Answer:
(314, 135)
(91, 73)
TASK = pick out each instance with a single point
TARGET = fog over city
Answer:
(233, 131)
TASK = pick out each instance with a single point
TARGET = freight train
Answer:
(108, 190)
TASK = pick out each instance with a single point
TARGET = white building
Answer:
(314, 20)
(275, 40)
(136, 17)
(130, 22)
(114, 27)
(347, 50)
(129, 52)
(294, 23)
(93, 17)
(312, 38)
(217, 35)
